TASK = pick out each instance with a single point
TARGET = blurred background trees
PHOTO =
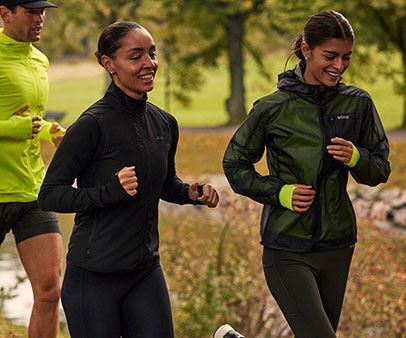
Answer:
(194, 36)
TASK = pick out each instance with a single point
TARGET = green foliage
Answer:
(191, 35)
(73, 29)
(386, 29)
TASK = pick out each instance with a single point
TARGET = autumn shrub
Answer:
(214, 272)
(375, 303)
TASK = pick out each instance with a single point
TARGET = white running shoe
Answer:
(227, 331)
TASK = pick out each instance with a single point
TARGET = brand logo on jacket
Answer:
(343, 117)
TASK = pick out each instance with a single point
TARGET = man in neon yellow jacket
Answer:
(23, 94)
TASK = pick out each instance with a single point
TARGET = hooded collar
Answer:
(14, 46)
(132, 105)
(293, 81)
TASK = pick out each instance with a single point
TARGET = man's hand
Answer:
(128, 180)
(340, 149)
(35, 121)
(302, 198)
(54, 129)
(208, 195)
(22, 110)
(36, 125)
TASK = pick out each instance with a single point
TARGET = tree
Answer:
(194, 35)
(80, 22)
(202, 35)
(382, 23)
(209, 30)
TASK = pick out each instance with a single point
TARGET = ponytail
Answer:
(297, 47)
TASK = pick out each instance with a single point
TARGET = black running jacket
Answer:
(114, 232)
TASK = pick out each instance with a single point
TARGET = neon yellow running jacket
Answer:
(23, 80)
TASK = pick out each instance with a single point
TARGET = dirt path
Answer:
(397, 135)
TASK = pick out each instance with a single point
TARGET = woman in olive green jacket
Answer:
(315, 130)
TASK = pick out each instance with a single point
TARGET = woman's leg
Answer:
(91, 302)
(332, 281)
(293, 283)
(146, 310)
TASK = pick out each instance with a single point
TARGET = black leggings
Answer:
(309, 288)
(102, 305)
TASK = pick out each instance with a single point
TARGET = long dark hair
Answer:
(110, 38)
(321, 27)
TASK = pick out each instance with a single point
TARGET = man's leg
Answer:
(41, 258)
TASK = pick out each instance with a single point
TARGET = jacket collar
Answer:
(293, 81)
(132, 105)
(14, 46)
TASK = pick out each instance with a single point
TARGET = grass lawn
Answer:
(72, 92)
(11, 331)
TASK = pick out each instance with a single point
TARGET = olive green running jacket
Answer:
(294, 125)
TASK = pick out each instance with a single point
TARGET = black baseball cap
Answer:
(27, 3)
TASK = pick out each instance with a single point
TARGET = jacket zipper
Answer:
(143, 128)
(33, 108)
(316, 230)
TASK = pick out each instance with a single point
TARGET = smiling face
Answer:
(23, 24)
(133, 66)
(326, 63)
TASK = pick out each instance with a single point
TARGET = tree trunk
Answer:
(235, 104)
(404, 90)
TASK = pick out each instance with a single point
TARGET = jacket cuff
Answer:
(188, 200)
(285, 196)
(115, 191)
(354, 158)
(45, 133)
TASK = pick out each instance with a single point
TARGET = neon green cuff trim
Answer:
(285, 196)
(354, 158)
(45, 133)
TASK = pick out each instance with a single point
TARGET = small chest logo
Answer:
(343, 117)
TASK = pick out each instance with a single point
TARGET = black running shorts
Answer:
(26, 220)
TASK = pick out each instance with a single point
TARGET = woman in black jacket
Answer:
(315, 131)
(121, 151)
